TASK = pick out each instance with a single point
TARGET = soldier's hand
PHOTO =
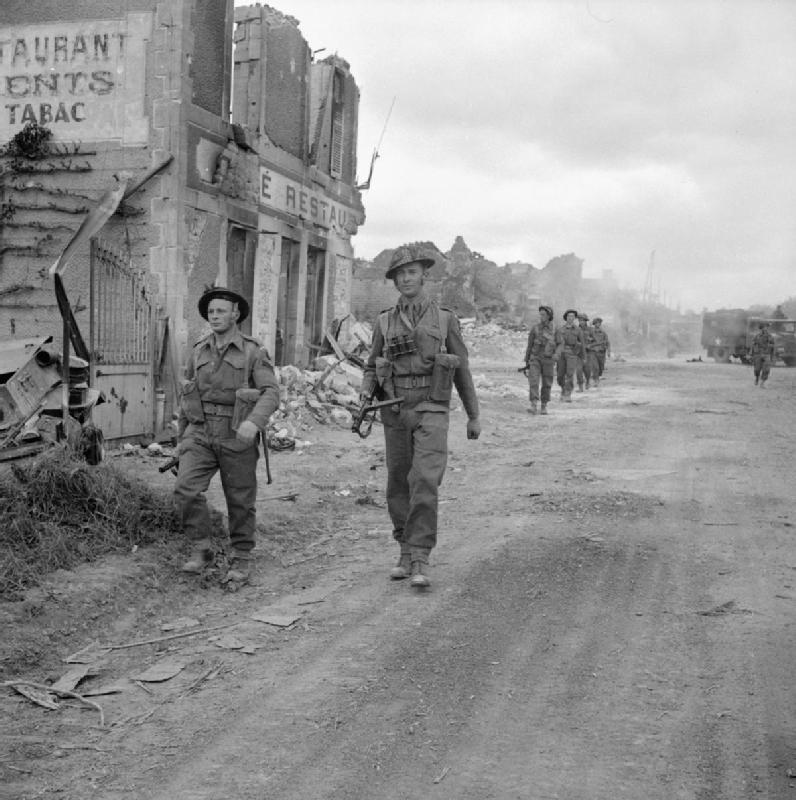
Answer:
(247, 432)
(473, 428)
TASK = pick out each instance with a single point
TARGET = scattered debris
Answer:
(162, 671)
(724, 608)
(168, 638)
(179, 624)
(277, 616)
(42, 695)
(72, 678)
(88, 654)
(210, 674)
(442, 775)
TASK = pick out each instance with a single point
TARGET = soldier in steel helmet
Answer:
(539, 354)
(228, 396)
(570, 348)
(583, 368)
(598, 348)
(762, 352)
(417, 354)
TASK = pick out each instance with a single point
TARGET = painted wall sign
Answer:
(292, 197)
(82, 80)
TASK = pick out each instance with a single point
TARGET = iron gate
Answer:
(121, 344)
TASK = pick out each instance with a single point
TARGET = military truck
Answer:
(724, 334)
(784, 333)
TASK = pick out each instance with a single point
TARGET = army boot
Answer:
(419, 579)
(201, 557)
(532, 408)
(757, 379)
(587, 384)
(544, 408)
(240, 572)
(403, 568)
(763, 383)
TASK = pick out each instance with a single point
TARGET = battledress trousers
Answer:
(572, 345)
(211, 446)
(539, 354)
(416, 435)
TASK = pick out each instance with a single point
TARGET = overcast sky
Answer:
(607, 128)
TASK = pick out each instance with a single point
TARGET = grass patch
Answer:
(57, 511)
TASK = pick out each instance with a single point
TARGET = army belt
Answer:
(411, 381)
(217, 410)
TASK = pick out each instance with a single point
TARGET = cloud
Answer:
(605, 127)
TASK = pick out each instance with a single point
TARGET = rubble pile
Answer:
(328, 394)
(491, 342)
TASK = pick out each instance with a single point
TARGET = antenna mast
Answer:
(366, 184)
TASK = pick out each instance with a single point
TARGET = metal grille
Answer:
(121, 319)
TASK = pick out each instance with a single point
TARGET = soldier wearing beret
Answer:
(762, 352)
(228, 396)
(539, 355)
(570, 347)
(417, 354)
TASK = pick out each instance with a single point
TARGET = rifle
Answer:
(523, 369)
(370, 406)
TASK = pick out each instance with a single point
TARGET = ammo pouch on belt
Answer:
(191, 403)
(442, 377)
(245, 401)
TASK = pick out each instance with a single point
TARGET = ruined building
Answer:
(233, 153)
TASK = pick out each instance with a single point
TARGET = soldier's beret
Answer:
(570, 311)
(597, 319)
(220, 293)
(547, 309)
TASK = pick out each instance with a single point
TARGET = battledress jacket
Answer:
(598, 341)
(763, 344)
(541, 341)
(243, 363)
(435, 330)
(571, 339)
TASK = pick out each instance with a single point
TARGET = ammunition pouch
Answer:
(191, 403)
(245, 401)
(445, 365)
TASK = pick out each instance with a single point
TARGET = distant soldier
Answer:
(539, 356)
(570, 346)
(762, 351)
(598, 347)
(582, 372)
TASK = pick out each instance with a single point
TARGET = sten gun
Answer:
(171, 464)
(367, 413)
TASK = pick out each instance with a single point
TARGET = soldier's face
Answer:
(221, 314)
(409, 279)
(570, 318)
(543, 317)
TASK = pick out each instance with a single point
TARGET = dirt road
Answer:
(611, 616)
